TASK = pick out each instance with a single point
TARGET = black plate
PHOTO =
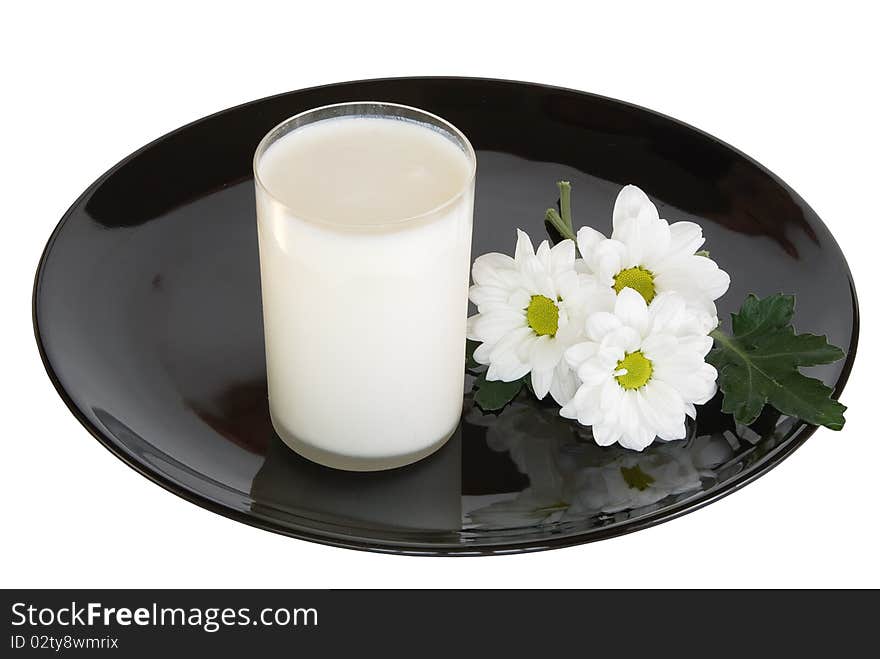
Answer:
(147, 315)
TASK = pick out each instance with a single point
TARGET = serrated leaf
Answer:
(493, 395)
(784, 347)
(759, 365)
(757, 316)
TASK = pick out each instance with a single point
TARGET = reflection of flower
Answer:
(651, 256)
(571, 478)
(642, 370)
(635, 480)
(531, 309)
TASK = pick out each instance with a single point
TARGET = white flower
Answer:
(642, 370)
(531, 308)
(651, 256)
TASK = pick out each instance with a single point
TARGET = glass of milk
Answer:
(364, 216)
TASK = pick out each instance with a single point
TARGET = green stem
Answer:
(565, 204)
(552, 216)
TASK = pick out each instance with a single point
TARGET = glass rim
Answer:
(468, 149)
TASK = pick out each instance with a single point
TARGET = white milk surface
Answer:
(364, 307)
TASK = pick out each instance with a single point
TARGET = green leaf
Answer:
(759, 365)
(757, 316)
(469, 362)
(493, 395)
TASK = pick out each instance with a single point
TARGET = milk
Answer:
(364, 229)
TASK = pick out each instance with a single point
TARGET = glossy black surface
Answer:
(147, 313)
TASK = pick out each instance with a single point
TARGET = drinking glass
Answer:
(364, 321)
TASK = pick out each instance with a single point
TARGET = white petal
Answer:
(593, 373)
(583, 406)
(694, 277)
(536, 277)
(647, 240)
(698, 344)
(666, 423)
(579, 353)
(543, 255)
(609, 260)
(707, 319)
(568, 411)
(524, 248)
(567, 284)
(606, 434)
(488, 297)
(571, 330)
(668, 311)
(629, 203)
(588, 239)
(487, 268)
(469, 327)
(632, 310)
(598, 325)
(657, 345)
(636, 433)
(564, 384)
(546, 353)
(620, 342)
(519, 299)
(483, 352)
(512, 344)
(651, 417)
(611, 396)
(687, 238)
(665, 399)
(586, 295)
(716, 283)
(562, 257)
(541, 382)
(637, 439)
(610, 352)
(687, 373)
(493, 325)
(506, 371)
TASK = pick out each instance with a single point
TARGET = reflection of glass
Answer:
(571, 478)
(364, 214)
(425, 496)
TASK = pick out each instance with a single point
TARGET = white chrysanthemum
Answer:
(642, 370)
(531, 308)
(651, 256)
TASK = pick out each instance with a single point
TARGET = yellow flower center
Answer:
(640, 279)
(542, 315)
(638, 370)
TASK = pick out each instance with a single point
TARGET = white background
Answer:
(84, 84)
